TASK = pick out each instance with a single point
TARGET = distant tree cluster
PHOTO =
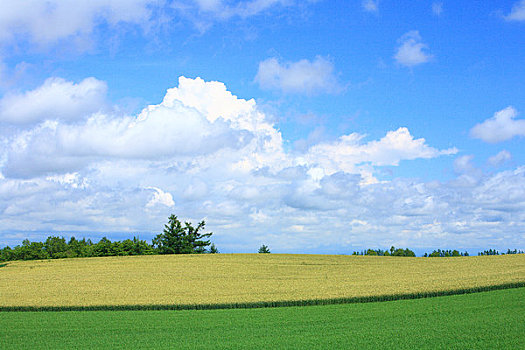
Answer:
(176, 239)
(515, 251)
(392, 252)
(488, 252)
(436, 253)
(495, 252)
(445, 253)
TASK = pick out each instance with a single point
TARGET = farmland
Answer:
(242, 279)
(487, 320)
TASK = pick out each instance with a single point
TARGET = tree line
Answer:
(445, 253)
(177, 238)
(392, 252)
(495, 252)
(442, 253)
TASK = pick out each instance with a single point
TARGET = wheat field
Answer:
(242, 278)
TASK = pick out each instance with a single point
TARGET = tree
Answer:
(401, 252)
(213, 249)
(141, 247)
(30, 251)
(7, 254)
(56, 247)
(104, 247)
(371, 252)
(178, 239)
(79, 248)
(264, 249)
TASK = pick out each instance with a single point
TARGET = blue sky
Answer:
(308, 126)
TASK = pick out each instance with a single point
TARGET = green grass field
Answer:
(487, 320)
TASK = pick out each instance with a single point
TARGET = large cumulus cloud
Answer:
(205, 153)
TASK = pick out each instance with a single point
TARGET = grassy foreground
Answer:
(488, 320)
(242, 278)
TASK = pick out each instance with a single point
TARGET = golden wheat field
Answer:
(241, 278)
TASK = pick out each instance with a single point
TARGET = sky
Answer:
(309, 126)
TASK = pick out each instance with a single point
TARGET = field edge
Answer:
(268, 304)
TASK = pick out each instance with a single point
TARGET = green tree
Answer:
(104, 247)
(30, 251)
(135, 247)
(7, 254)
(213, 249)
(264, 249)
(56, 247)
(179, 239)
(141, 247)
(371, 252)
(401, 252)
(79, 248)
(410, 253)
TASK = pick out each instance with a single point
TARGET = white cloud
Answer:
(209, 5)
(468, 173)
(56, 99)
(125, 180)
(517, 13)
(303, 76)
(370, 5)
(223, 10)
(350, 155)
(195, 121)
(463, 164)
(254, 7)
(437, 8)
(501, 127)
(411, 51)
(160, 197)
(3, 69)
(71, 179)
(47, 22)
(172, 128)
(203, 14)
(500, 158)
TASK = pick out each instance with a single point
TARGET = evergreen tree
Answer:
(179, 239)
(264, 249)
(141, 247)
(213, 249)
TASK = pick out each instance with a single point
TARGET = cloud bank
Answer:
(205, 153)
